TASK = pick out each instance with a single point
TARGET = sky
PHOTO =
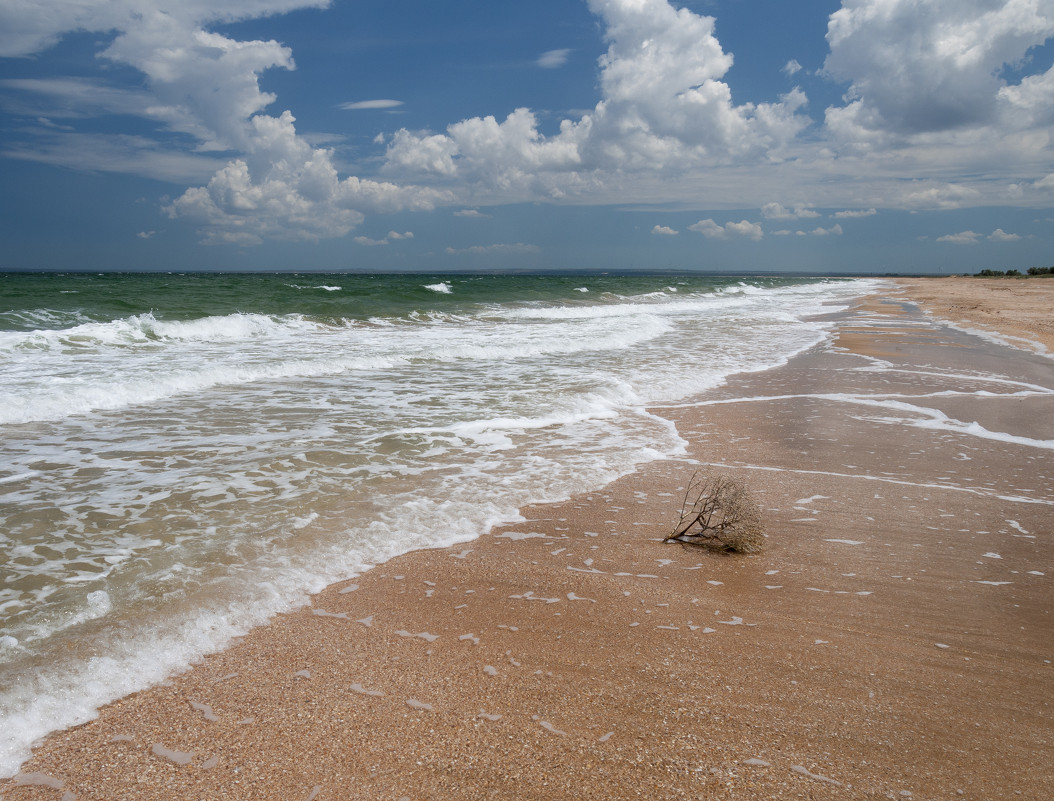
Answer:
(821, 135)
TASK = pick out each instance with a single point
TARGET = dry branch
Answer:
(719, 513)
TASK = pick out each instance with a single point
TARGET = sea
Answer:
(183, 456)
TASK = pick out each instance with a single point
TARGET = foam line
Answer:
(933, 419)
(883, 479)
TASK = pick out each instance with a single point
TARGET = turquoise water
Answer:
(184, 456)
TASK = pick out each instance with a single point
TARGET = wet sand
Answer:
(894, 640)
(1018, 309)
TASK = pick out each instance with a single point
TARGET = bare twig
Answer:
(719, 512)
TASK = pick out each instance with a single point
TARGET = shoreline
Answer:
(1016, 311)
(572, 655)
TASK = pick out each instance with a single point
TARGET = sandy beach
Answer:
(1017, 309)
(894, 640)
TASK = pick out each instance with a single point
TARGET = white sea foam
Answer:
(918, 416)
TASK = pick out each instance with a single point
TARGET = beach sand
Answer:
(1018, 309)
(894, 640)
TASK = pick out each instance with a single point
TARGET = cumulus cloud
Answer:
(777, 211)
(934, 66)
(743, 228)
(851, 213)
(792, 67)
(834, 230)
(663, 230)
(961, 238)
(286, 189)
(552, 59)
(663, 107)
(473, 213)
(392, 236)
(206, 85)
(999, 235)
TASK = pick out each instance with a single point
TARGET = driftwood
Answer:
(719, 513)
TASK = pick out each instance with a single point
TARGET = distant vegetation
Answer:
(1032, 271)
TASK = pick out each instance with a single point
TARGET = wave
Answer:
(163, 373)
(146, 330)
(33, 319)
(664, 303)
(323, 287)
(103, 366)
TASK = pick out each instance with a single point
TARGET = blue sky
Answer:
(830, 135)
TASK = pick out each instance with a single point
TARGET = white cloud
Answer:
(834, 230)
(933, 66)
(473, 213)
(777, 211)
(961, 238)
(792, 67)
(28, 28)
(128, 155)
(663, 230)
(286, 189)
(205, 84)
(931, 195)
(663, 107)
(744, 228)
(76, 97)
(999, 235)
(361, 105)
(712, 230)
(851, 213)
(146, 234)
(392, 236)
(552, 59)
(708, 228)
